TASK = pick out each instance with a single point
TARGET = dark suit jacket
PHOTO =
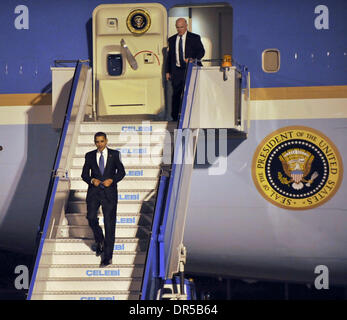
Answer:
(193, 49)
(114, 170)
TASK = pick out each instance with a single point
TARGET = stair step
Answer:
(127, 137)
(129, 126)
(126, 183)
(127, 150)
(137, 160)
(130, 173)
(123, 195)
(122, 207)
(85, 232)
(89, 258)
(86, 295)
(78, 284)
(80, 219)
(69, 269)
(85, 245)
(90, 271)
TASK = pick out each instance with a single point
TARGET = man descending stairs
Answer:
(69, 269)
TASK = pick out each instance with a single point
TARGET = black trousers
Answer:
(178, 82)
(109, 210)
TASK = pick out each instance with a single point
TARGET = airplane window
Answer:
(271, 60)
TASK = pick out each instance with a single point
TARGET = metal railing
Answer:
(170, 238)
(151, 281)
(172, 228)
(165, 224)
(59, 181)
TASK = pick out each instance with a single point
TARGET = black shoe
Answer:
(99, 248)
(105, 262)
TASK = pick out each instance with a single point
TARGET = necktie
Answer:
(180, 52)
(102, 164)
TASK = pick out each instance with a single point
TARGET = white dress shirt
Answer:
(183, 47)
(98, 155)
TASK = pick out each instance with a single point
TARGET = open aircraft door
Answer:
(128, 44)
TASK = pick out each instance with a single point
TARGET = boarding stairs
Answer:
(69, 269)
(152, 207)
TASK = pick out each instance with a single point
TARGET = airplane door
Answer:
(128, 43)
(213, 22)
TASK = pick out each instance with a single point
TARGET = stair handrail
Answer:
(172, 228)
(150, 283)
(155, 262)
(57, 174)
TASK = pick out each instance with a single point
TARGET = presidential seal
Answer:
(297, 168)
(138, 21)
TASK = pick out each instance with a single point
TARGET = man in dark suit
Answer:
(101, 171)
(183, 46)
